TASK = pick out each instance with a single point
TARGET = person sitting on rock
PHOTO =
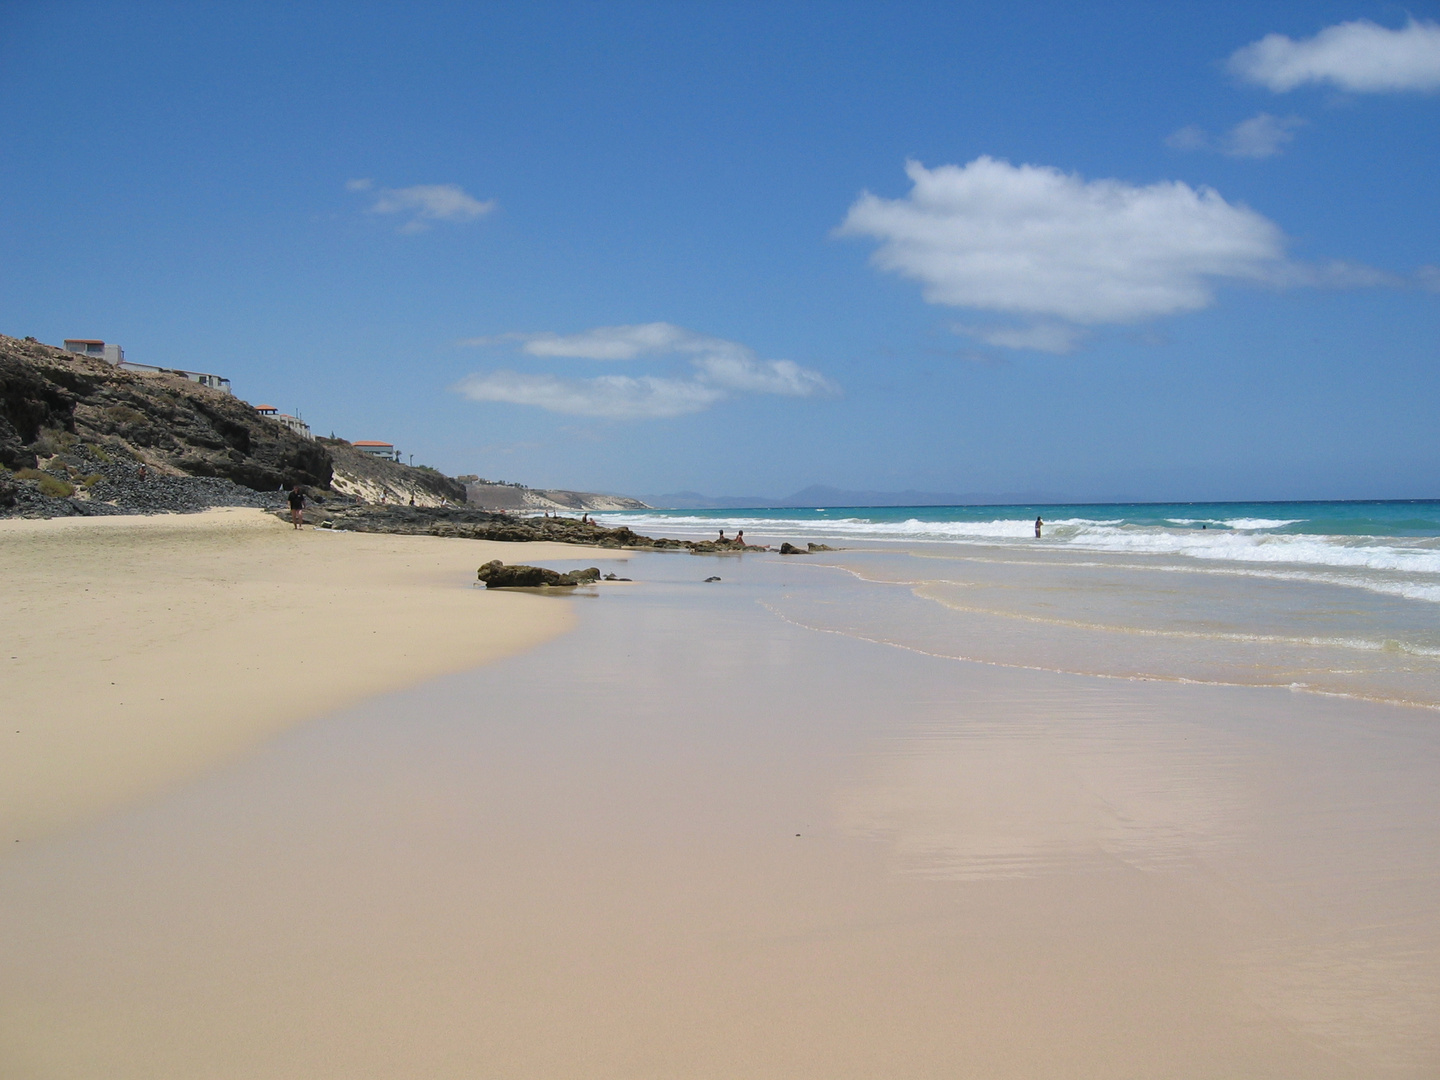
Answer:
(722, 537)
(740, 538)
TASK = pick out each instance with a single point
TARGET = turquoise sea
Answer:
(1326, 597)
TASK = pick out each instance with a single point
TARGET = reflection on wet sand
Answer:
(1309, 826)
(1083, 785)
(693, 839)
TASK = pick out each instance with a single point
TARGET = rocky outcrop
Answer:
(720, 547)
(60, 412)
(374, 479)
(472, 524)
(489, 495)
(496, 575)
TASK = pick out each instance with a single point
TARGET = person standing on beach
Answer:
(1038, 523)
(297, 506)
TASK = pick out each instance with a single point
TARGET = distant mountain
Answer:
(820, 496)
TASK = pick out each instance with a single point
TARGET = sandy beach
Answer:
(693, 838)
(145, 650)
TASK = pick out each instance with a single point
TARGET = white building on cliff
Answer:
(114, 354)
(294, 423)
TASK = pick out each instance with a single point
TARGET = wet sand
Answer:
(692, 839)
(144, 650)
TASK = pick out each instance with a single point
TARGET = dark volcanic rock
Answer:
(472, 524)
(55, 406)
(78, 482)
(496, 575)
(790, 549)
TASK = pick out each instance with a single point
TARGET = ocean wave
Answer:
(1415, 588)
(1259, 523)
(1247, 524)
(1413, 558)
(854, 528)
(1349, 552)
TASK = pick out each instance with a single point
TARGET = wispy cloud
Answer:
(424, 203)
(615, 397)
(720, 369)
(1048, 337)
(1036, 242)
(1359, 56)
(1261, 136)
(623, 342)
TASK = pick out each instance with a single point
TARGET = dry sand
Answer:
(141, 651)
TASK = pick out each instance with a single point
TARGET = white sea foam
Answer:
(853, 528)
(1259, 523)
(1397, 566)
(1420, 556)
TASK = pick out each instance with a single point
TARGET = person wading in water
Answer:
(1038, 523)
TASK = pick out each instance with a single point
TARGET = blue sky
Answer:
(1111, 250)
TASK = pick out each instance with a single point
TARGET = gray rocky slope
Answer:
(81, 437)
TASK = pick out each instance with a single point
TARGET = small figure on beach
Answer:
(1038, 523)
(143, 473)
(722, 536)
(297, 506)
(740, 537)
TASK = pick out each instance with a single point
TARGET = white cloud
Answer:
(747, 375)
(1057, 338)
(620, 342)
(1031, 240)
(1359, 56)
(1190, 137)
(720, 368)
(427, 203)
(615, 397)
(1261, 136)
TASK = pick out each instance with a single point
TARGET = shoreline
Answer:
(150, 649)
(695, 839)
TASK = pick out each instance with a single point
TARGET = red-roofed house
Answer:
(378, 449)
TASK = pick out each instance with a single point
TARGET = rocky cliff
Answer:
(373, 479)
(80, 436)
(492, 496)
(56, 406)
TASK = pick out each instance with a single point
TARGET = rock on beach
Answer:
(496, 575)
